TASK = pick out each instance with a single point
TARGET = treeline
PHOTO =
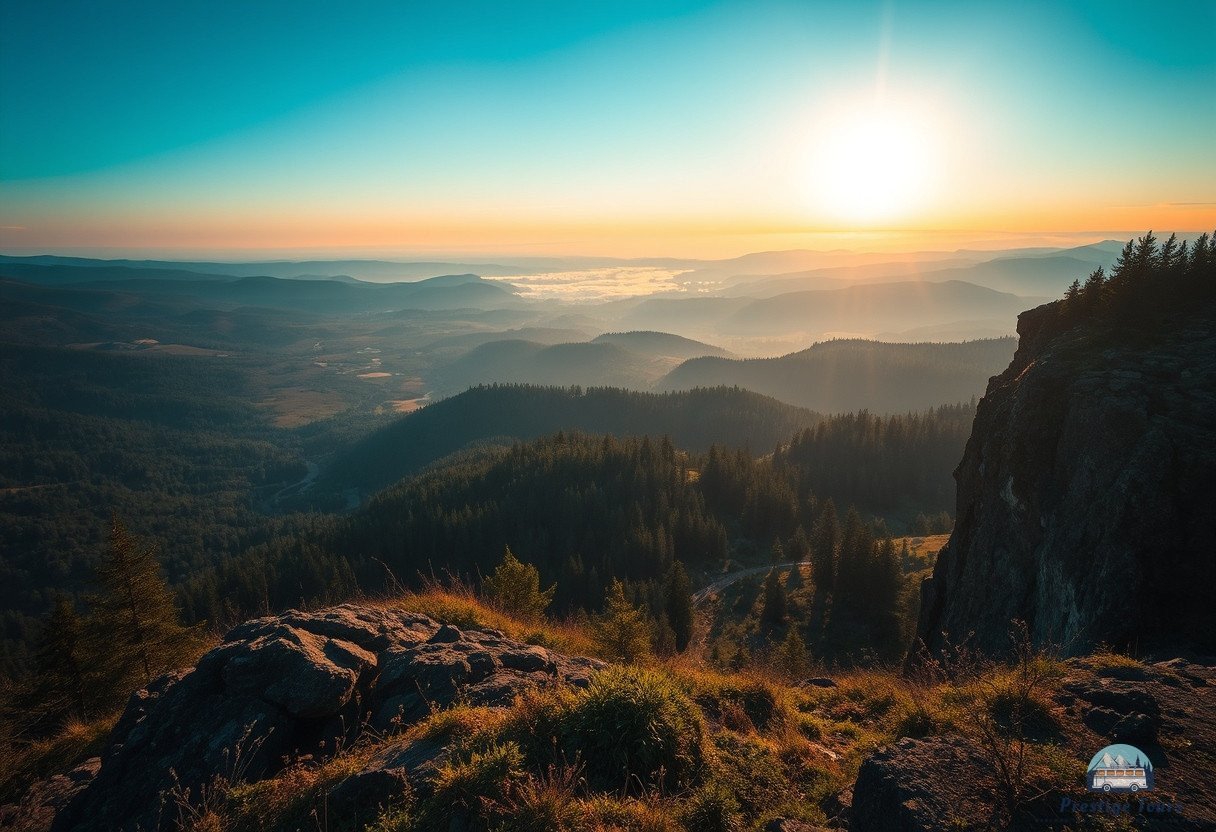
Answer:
(1149, 279)
(89, 655)
(693, 419)
(172, 444)
(882, 463)
(584, 510)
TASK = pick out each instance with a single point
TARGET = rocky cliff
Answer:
(1086, 492)
(299, 685)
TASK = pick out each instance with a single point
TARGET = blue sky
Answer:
(203, 125)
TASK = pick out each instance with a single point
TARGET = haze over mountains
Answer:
(424, 330)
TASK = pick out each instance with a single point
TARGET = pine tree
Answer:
(791, 656)
(134, 616)
(825, 540)
(61, 662)
(662, 637)
(856, 556)
(677, 601)
(774, 609)
(1093, 292)
(515, 589)
(621, 631)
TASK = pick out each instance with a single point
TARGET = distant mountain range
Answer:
(379, 271)
(633, 360)
(312, 295)
(1046, 274)
(845, 375)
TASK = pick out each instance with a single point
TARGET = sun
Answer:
(872, 164)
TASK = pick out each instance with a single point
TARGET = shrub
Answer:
(753, 770)
(726, 698)
(543, 804)
(467, 787)
(515, 589)
(634, 728)
(712, 808)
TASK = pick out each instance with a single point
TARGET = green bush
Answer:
(469, 785)
(756, 775)
(634, 728)
(712, 808)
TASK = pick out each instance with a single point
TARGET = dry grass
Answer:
(455, 603)
(74, 742)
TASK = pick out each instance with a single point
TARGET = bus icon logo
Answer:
(1120, 768)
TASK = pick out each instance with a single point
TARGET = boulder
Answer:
(922, 786)
(299, 685)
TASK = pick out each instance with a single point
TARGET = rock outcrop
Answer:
(298, 684)
(1085, 493)
(1167, 710)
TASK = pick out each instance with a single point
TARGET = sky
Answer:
(623, 128)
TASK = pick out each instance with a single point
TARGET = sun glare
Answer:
(872, 164)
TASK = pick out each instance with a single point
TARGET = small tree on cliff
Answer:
(515, 589)
(135, 618)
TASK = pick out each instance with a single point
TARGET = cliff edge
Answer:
(1086, 492)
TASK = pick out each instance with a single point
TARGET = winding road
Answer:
(704, 594)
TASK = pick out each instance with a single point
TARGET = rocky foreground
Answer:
(302, 688)
(292, 685)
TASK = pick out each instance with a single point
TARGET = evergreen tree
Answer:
(825, 540)
(61, 661)
(856, 556)
(791, 656)
(677, 600)
(621, 631)
(1094, 290)
(663, 637)
(134, 616)
(515, 589)
(793, 581)
(774, 609)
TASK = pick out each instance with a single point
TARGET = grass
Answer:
(676, 744)
(457, 604)
(72, 744)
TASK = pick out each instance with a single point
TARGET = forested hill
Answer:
(693, 419)
(853, 374)
(587, 509)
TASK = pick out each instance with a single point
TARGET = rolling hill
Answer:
(660, 344)
(694, 420)
(853, 374)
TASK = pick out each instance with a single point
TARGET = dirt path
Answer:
(704, 594)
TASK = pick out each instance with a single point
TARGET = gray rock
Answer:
(1085, 509)
(922, 786)
(294, 685)
(362, 797)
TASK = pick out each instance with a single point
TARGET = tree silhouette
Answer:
(135, 618)
(677, 600)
